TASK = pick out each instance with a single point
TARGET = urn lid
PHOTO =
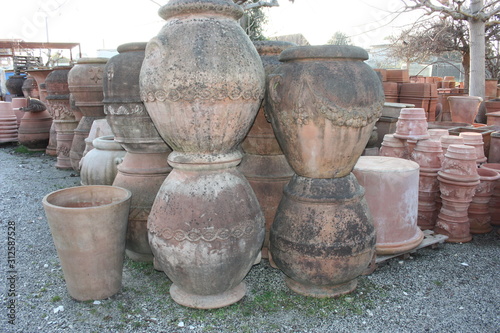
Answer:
(183, 7)
(324, 52)
(127, 47)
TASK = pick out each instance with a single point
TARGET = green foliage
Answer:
(339, 38)
(253, 21)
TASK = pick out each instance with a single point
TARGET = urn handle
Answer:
(275, 80)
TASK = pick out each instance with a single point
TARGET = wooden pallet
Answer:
(431, 240)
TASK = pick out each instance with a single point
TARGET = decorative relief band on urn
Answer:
(208, 234)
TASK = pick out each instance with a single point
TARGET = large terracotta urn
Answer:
(63, 118)
(323, 104)
(202, 82)
(34, 129)
(145, 166)
(85, 82)
(264, 164)
(464, 109)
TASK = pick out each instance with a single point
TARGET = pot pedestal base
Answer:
(208, 301)
(319, 291)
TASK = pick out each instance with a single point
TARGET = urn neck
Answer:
(200, 7)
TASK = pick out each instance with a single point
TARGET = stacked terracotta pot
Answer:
(479, 214)
(8, 123)
(494, 204)
(458, 179)
(475, 140)
(60, 110)
(412, 127)
(202, 82)
(144, 167)
(394, 147)
(311, 239)
(85, 84)
(264, 164)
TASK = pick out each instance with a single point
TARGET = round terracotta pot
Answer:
(99, 166)
(412, 125)
(207, 249)
(59, 108)
(202, 82)
(464, 109)
(493, 118)
(436, 133)
(393, 147)
(428, 192)
(459, 164)
(494, 153)
(429, 155)
(479, 215)
(193, 105)
(324, 101)
(447, 140)
(14, 84)
(145, 166)
(475, 140)
(85, 82)
(494, 206)
(312, 239)
(100, 127)
(88, 225)
(395, 210)
(34, 130)
(264, 164)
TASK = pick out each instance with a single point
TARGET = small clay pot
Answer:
(448, 140)
(394, 147)
(479, 214)
(464, 109)
(412, 124)
(429, 155)
(475, 140)
(436, 133)
(100, 165)
(459, 164)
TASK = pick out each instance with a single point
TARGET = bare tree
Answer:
(478, 14)
(339, 38)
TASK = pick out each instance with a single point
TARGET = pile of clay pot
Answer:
(457, 195)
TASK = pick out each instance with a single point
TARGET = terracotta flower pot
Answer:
(464, 108)
(448, 140)
(479, 215)
(436, 133)
(144, 167)
(475, 140)
(324, 103)
(311, 241)
(34, 130)
(100, 165)
(494, 153)
(458, 179)
(395, 212)
(88, 225)
(202, 83)
(394, 147)
(494, 206)
(8, 123)
(85, 81)
(493, 118)
(412, 125)
(429, 155)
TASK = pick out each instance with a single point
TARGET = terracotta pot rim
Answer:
(220, 7)
(121, 192)
(458, 179)
(471, 98)
(132, 46)
(493, 175)
(323, 52)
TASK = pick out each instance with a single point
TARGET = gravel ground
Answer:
(454, 288)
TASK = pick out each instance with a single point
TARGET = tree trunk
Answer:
(477, 52)
(466, 64)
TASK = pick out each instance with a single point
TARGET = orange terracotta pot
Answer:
(464, 109)
(479, 215)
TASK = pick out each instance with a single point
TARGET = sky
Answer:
(105, 24)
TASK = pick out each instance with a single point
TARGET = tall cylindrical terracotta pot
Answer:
(145, 166)
(323, 103)
(60, 110)
(88, 225)
(264, 164)
(85, 81)
(202, 82)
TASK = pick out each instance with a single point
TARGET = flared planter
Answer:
(202, 82)
(144, 166)
(88, 225)
(323, 104)
(464, 109)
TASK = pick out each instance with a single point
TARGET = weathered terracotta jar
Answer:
(99, 166)
(479, 215)
(325, 102)
(458, 179)
(394, 147)
(202, 82)
(395, 212)
(88, 225)
(310, 241)
(412, 125)
(144, 167)
(14, 84)
(494, 206)
(60, 110)
(85, 82)
(34, 129)
(264, 164)
(475, 140)
(464, 109)
(8, 123)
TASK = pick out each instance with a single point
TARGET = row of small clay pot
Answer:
(445, 163)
